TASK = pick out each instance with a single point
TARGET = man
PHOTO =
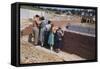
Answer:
(36, 22)
(47, 32)
(42, 30)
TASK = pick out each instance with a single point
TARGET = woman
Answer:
(58, 39)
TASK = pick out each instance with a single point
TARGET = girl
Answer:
(51, 37)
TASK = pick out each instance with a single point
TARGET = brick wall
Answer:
(81, 45)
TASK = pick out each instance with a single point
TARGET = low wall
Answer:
(74, 43)
(78, 44)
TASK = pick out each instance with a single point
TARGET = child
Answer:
(51, 38)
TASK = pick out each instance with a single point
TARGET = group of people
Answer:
(46, 33)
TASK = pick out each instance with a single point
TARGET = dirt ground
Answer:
(37, 54)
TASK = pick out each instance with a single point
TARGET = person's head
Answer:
(42, 18)
(53, 28)
(52, 25)
(59, 27)
(36, 17)
(49, 22)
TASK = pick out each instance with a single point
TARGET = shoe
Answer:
(57, 50)
(51, 48)
(35, 44)
(41, 44)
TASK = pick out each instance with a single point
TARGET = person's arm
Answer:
(62, 32)
(33, 23)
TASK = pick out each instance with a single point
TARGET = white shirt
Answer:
(48, 26)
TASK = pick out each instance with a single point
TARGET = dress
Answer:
(58, 39)
(51, 39)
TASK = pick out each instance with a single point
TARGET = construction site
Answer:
(78, 41)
